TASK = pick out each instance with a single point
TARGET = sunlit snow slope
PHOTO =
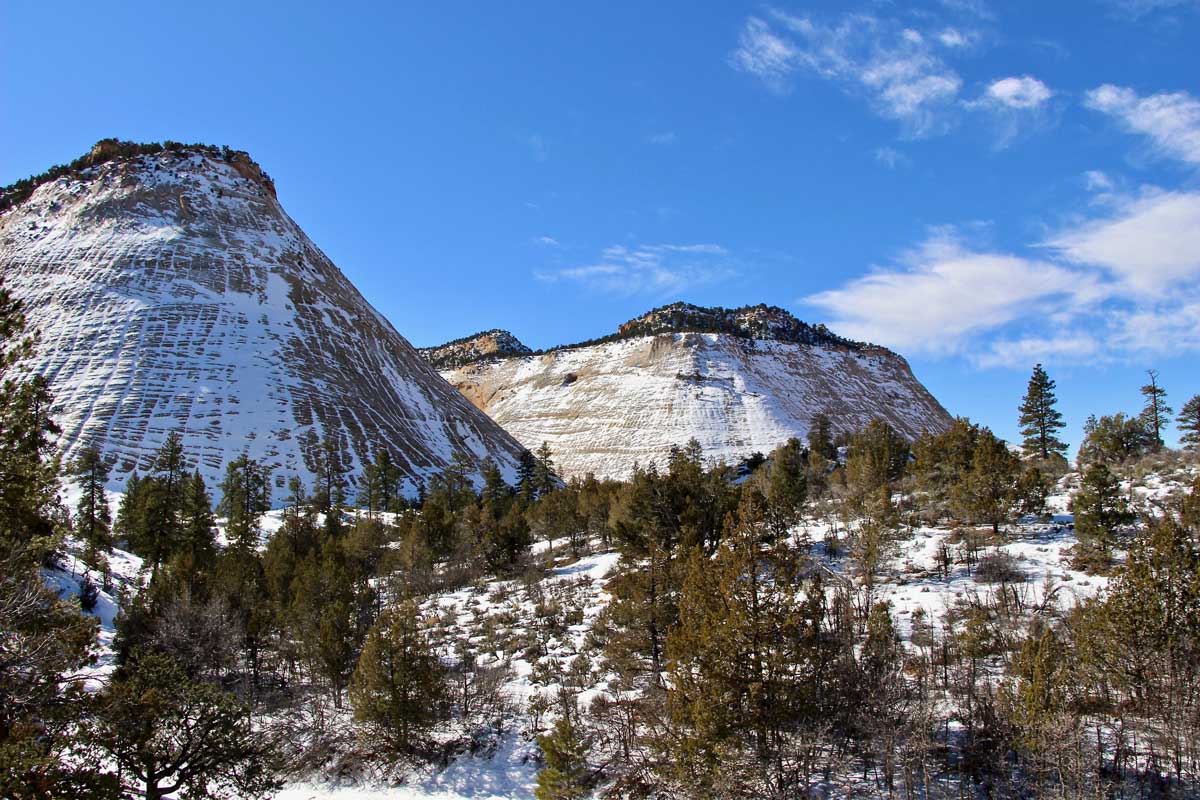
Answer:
(603, 407)
(172, 292)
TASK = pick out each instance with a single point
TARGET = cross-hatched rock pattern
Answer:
(605, 407)
(172, 293)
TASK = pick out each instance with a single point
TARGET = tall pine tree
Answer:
(1156, 411)
(1189, 422)
(1040, 421)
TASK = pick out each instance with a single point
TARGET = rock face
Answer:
(476, 347)
(739, 381)
(172, 293)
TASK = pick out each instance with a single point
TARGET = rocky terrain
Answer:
(172, 292)
(469, 349)
(739, 381)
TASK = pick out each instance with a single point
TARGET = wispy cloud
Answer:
(1014, 105)
(1141, 8)
(655, 269)
(1023, 93)
(537, 146)
(545, 241)
(890, 157)
(1120, 285)
(1151, 244)
(1171, 120)
(897, 68)
(664, 138)
(943, 290)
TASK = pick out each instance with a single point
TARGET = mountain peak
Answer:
(112, 150)
(468, 349)
(752, 322)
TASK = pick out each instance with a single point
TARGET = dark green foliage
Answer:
(820, 436)
(1115, 440)
(168, 733)
(1040, 421)
(1189, 422)
(43, 644)
(93, 519)
(566, 775)
(245, 496)
(1155, 412)
(1100, 512)
(987, 492)
(399, 684)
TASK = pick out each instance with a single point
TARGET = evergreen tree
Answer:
(526, 467)
(328, 465)
(565, 776)
(1100, 511)
(245, 497)
(1189, 422)
(169, 733)
(786, 486)
(820, 436)
(1115, 439)
(744, 664)
(1156, 411)
(544, 478)
(398, 686)
(198, 548)
(1040, 421)
(987, 493)
(93, 518)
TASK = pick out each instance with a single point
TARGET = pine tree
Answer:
(1100, 511)
(166, 732)
(1156, 411)
(526, 467)
(820, 436)
(398, 686)
(198, 547)
(987, 493)
(565, 776)
(544, 478)
(245, 497)
(1040, 421)
(93, 517)
(1189, 422)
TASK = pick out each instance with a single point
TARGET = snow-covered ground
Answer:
(536, 630)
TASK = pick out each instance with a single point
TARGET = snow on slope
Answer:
(172, 292)
(605, 407)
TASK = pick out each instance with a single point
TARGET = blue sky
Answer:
(978, 185)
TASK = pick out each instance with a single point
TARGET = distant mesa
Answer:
(173, 293)
(738, 380)
(495, 343)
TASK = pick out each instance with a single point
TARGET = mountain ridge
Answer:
(173, 292)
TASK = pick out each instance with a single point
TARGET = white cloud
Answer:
(1022, 93)
(661, 269)
(764, 54)
(1140, 8)
(666, 137)
(954, 38)
(546, 241)
(1152, 243)
(1097, 181)
(1021, 352)
(943, 292)
(895, 67)
(890, 157)
(1170, 119)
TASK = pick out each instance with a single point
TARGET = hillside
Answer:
(172, 292)
(739, 381)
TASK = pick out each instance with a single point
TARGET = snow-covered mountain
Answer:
(739, 381)
(172, 292)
